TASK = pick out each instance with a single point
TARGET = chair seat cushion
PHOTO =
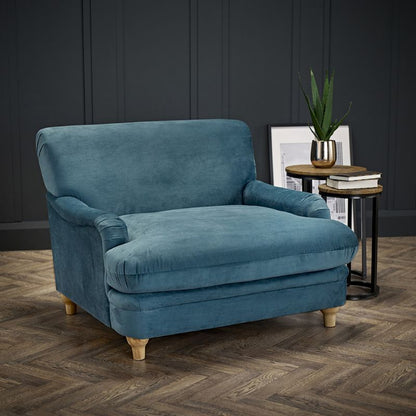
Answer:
(151, 301)
(207, 246)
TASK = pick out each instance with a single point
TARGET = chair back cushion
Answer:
(148, 166)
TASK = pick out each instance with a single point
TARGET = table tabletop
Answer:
(311, 172)
(360, 192)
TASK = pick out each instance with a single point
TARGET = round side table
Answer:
(309, 172)
(362, 195)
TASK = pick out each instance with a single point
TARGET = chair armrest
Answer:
(282, 199)
(112, 229)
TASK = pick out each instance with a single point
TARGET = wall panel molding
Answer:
(157, 59)
(394, 88)
(193, 59)
(100, 61)
(104, 62)
(261, 69)
(296, 59)
(404, 185)
(11, 188)
(210, 51)
(225, 61)
(327, 34)
(310, 50)
(120, 61)
(87, 58)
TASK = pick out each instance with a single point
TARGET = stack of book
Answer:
(356, 180)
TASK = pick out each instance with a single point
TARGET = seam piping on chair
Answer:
(229, 297)
(232, 263)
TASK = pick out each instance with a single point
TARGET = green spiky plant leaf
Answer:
(320, 109)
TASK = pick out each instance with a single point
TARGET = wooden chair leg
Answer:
(330, 317)
(138, 347)
(70, 307)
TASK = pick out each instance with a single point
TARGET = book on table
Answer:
(356, 184)
(356, 176)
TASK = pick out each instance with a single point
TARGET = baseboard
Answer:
(396, 223)
(25, 235)
(34, 235)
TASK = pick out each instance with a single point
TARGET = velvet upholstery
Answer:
(207, 246)
(161, 227)
(79, 264)
(157, 300)
(149, 166)
(298, 203)
(220, 312)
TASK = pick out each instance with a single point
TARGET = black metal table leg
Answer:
(349, 223)
(362, 195)
(363, 239)
(374, 248)
(374, 289)
(307, 185)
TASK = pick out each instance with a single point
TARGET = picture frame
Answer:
(291, 144)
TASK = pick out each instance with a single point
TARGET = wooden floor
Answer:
(52, 364)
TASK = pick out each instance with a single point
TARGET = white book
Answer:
(356, 176)
(365, 183)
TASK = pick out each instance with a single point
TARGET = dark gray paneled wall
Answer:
(97, 61)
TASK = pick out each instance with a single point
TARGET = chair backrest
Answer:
(148, 166)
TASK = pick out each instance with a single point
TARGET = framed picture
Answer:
(291, 145)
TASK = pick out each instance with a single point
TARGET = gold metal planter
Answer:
(323, 153)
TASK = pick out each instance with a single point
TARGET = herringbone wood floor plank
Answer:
(53, 364)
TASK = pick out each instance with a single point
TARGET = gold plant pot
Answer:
(323, 153)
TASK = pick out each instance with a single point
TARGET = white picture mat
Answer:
(291, 145)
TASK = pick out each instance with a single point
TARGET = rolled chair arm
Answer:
(282, 199)
(112, 229)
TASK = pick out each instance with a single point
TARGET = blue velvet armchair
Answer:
(160, 228)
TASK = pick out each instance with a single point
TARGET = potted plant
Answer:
(323, 150)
